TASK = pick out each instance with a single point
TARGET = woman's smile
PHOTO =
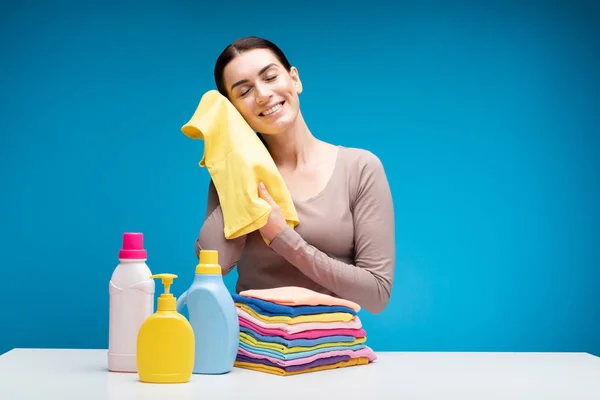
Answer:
(272, 111)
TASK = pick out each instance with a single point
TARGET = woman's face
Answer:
(263, 91)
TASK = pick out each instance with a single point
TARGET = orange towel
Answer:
(298, 296)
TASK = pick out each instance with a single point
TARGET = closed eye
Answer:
(268, 79)
(245, 92)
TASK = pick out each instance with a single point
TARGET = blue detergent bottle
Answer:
(213, 317)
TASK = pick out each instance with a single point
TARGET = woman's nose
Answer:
(262, 94)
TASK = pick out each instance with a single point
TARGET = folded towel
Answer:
(237, 161)
(270, 308)
(296, 355)
(298, 296)
(283, 372)
(291, 330)
(251, 341)
(363, 352)
(307, 334)
(296, 342)
(329, 317)
(315, 363)
(251, 316)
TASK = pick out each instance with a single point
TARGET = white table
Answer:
(82, 374)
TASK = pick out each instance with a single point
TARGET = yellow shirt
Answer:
(237, 161)
(285, 372)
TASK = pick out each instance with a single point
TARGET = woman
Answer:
(344, 245)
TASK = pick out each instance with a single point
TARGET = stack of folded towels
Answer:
(292, 330)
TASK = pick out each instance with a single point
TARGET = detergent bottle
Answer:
(131, 302)
(165, 342)
(213, 317)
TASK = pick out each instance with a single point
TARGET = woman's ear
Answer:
(296, 79)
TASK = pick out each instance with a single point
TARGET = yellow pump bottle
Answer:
(165, 342)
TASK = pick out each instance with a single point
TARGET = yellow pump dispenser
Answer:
(165, 342)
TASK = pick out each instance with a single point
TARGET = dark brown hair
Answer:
(239, 46)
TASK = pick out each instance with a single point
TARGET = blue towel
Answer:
(293, 356)
(296, 342)
(273, 309)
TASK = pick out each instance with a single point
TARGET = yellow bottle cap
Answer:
(166, 301)
(208, 263)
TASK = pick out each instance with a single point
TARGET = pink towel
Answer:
(364, 352)
(309, 334)
(354, 323)
(298, 296)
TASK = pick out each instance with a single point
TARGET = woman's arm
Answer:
(211, 235)
(369, 281)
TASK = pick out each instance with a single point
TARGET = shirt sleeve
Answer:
(369, 280)
(212, 236)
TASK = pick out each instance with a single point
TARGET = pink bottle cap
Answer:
(133, 246)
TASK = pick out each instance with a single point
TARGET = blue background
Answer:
(486, 117)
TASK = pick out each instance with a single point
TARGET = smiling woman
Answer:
(246, 66)
(345, 244)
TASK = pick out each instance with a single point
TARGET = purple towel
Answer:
(316, 363)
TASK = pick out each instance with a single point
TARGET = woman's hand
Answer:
(276, 222)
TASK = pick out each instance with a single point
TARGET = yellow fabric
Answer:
(250, 341)
(325, 317)
(237, 161)
(282, 372)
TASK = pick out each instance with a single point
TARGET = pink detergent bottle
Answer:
(131, 301)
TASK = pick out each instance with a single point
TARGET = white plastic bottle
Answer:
(131, 301)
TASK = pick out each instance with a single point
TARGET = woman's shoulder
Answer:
(359, 160)
(363, 173)
(360, 169)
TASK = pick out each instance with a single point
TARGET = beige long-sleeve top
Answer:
(344, 245)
